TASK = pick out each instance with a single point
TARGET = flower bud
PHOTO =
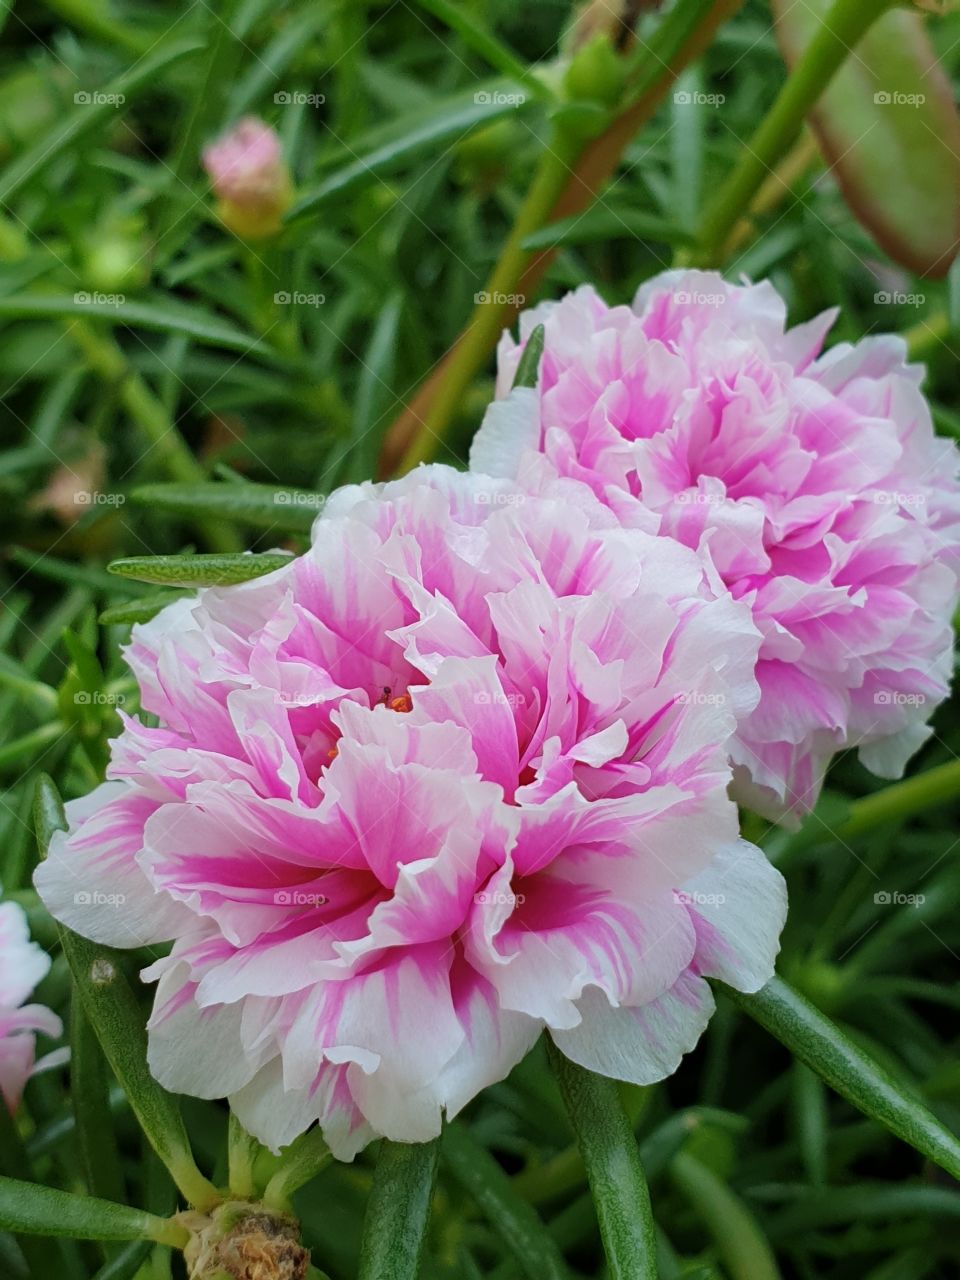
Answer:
(250, 178)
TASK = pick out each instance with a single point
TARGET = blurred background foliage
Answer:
(142, 342)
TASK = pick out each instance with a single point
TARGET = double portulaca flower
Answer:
(462, 771)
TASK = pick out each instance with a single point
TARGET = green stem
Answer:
(841, 29)
(301, 1162)
(242, 1152)
(614, 1171)
(395, 1223)
(891, 805)
(848, 1070)
(742, 1247)
(106, 359)
(483, 329)
(31, 743)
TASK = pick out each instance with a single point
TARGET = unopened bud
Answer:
(249, 176)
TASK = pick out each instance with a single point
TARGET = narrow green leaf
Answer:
(127, 1262)
(474, 34)
(528, 368)
(198, 571)
(35, 1210)
(114, 1014)
(870, 1202)
(395, 1222)
(423, 130)
(527, 1239)
(614, 1171)
(140, 610)
(261, 506)
(95, 1135)
(89, 117)
(832, 1055)
(890, 130)
(602, 223)
(745, 1252)
(160, 315)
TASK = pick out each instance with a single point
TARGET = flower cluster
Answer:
(462, 771)
(813, 483)
(457, 774)
(22, 965)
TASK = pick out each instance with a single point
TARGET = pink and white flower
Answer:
(457, 774)
(22, 965)
(813, 483)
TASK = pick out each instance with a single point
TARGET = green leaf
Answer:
(140, 610)
(127, 1262)
(261, 506)
(602, 223)
(89, 117)
(518, 1223)
(474, 34)
(398, 1208)
(34, 1210)
(832, 1055)
(528, 368)
(614, 1171)
(114, 1014)
(161, 315)
(889, 128)
(743, 1248)
(199, 571)
(444, 121)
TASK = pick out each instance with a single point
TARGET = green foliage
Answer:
(169, 387)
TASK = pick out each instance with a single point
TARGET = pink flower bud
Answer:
(248, 174)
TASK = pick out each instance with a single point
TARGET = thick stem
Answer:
(841, 29)
(614, 1171)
